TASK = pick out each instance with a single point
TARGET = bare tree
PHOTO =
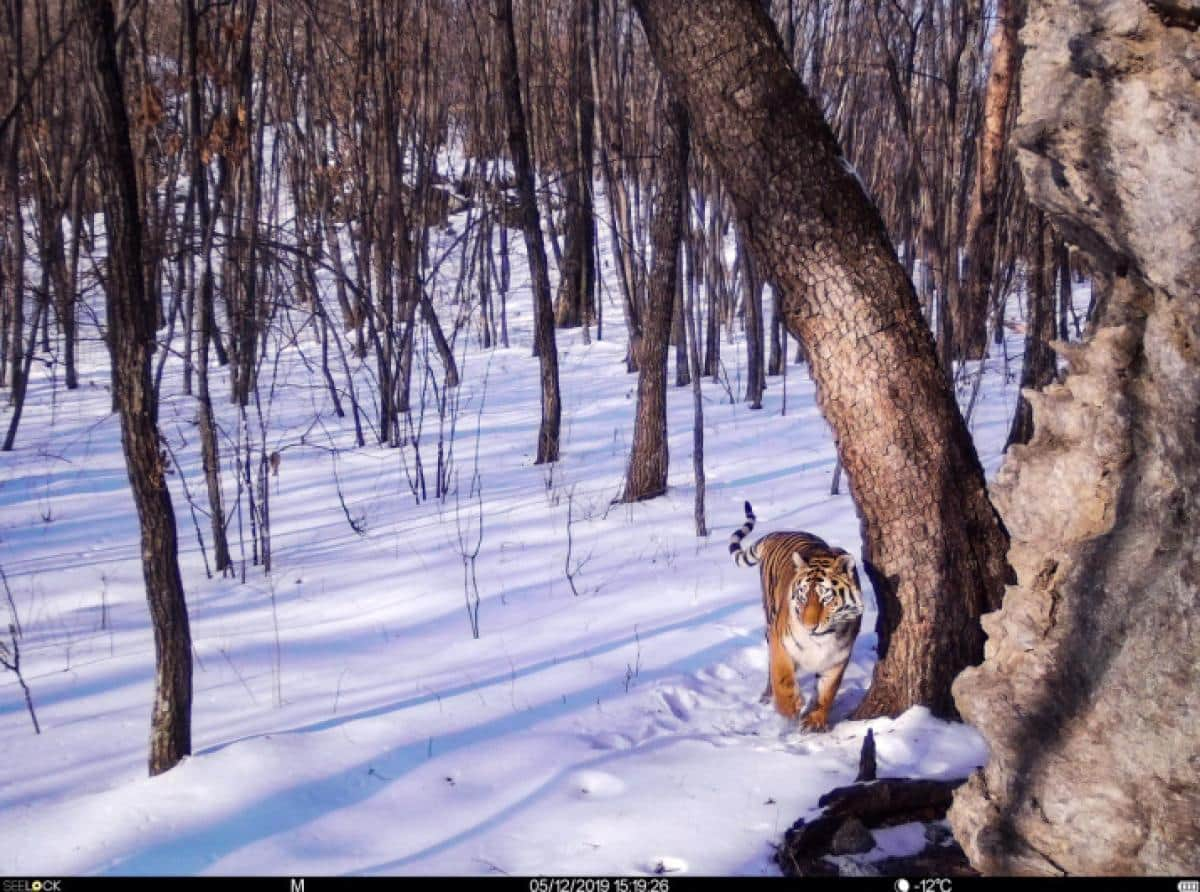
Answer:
(933, 546)
(646, 474)
(132, 317)
(518, 146)
(576, 296)
(971, 319)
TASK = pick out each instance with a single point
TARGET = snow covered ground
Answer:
(345, 719)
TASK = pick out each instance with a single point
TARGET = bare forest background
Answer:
(217, 182)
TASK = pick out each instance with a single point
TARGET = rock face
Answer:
(1089, 693)
(1108, 136)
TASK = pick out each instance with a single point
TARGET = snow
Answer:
(346, 721)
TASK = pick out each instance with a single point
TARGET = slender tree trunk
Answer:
(204, 302)
(16, 232)
(679, 335)
(932, 544)
(692, 313)
(778, 356)
(755, 363)
(1039, 364)
(971, 319)
(1062, 259)
(133, 325)
(646, 475)
(22, 382)
(518, 146)
(715, 280)
(576, 295)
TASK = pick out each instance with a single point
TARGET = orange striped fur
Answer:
(812, 605)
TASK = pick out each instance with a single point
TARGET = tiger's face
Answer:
(825, 594)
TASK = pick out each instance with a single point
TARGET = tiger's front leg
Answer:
(788, 700)
(827, 688)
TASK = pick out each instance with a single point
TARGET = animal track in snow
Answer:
(680, 702)
(611, 740)
(596, 785)
(665, 864)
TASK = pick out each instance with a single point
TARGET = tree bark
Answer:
(970, 320)
(203, 303)
(518, 146)
(692, 314)
(16, 232)
(932, 543)
(646, 475)
(1039, 364)
(132, 316)
(576, 300)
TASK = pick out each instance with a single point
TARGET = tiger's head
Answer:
(825, 594)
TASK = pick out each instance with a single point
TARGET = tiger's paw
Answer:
(817, 720)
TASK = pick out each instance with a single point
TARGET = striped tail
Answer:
(744, 557)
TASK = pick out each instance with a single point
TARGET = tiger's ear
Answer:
(799, 561)
(845, 563)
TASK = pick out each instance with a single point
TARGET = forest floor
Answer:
(346, 721)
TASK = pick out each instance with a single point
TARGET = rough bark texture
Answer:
(932, 543)
(1088, 696)
(518, 147)
(132, 317)
(646, 476)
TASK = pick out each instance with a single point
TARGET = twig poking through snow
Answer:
(10, 659)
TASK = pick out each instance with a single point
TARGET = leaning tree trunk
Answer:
(518, 146)
(646, 476)
(933, 546)
(1087, 697)
(132, 315)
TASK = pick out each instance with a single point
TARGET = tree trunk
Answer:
(755, 353)
(16, 232)
(133, 323)
(518, 147)
(692, 314)
(932, 544)
(778, 355)
(203, 303)
(970, 321)
(679, 336)
(576, 296)
(646, 476)
(1039, 365)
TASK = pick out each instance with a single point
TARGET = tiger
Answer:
(813, 606)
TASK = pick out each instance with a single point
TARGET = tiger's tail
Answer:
(744, 557)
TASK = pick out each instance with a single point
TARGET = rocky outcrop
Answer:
(1108, 137)
(1089, 693)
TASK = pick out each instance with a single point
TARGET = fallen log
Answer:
(828, 844)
